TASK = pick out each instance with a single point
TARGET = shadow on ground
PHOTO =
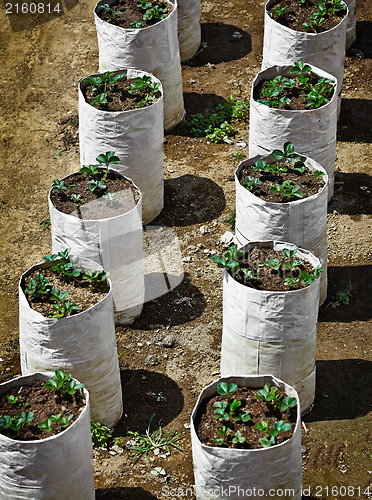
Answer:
(221, 43)
(353, 194)
(190, 200)
(343, 390)
(359, 308)
(179, 306)
(119, 493)
(355, 121)
(146, 394)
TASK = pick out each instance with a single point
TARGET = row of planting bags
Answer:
(137, 138)
(275, 332)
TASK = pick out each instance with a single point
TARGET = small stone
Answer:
(187, 426)
(357, 53)
(241, 143)
(113, 453)
(303, 449)
(152, 360)
(227, 238)
(203, 229)
(236, 36)
(169, 341)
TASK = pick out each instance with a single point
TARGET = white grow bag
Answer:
(59, 467)
(302, 222)
(136, 136)
(154, 49)
(189, 30)
(312, 131)
(115, 244)
(233, 474)
(351, 23)
(83, 344)
(272, 331)
(283, 46)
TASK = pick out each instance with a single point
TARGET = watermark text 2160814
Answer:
(32, 8)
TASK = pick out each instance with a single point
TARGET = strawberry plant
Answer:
(63, 383)
(102, 86)
(17, 422)
(146, 87)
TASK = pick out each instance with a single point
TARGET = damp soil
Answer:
(123, 12)
(260, 261)
(120, 97)
(80, 292)
(174, 346)
(309, 184)
(100, 203)
(43, 403)
(296, 14)
(208, 427)
(296, 94)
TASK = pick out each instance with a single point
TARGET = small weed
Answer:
(101, 435)
(153, 440)
(45, 224)
(344, 295)
(231, 220)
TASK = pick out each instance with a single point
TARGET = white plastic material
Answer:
(137, 137)
(312, 131)
(232, 473)
(59, 467)
(283, 46)
(267, 331)
(302, 222)
(351, 23)
(154, 49)
(115, 244)
(83, 344)
(189, 30)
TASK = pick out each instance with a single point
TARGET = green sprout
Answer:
(238, 438)
(274, 263)
(251, 182)
(223, 432)
(95, 277)
(230, 259)
(145, 86)
(17, 422)
(107, 8)
(47, 425)
(270, 435)
(103, 85)
(287, 189)
(38, 287)
(63, 383)
(58, 185)
(136, 25)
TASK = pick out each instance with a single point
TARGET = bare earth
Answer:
(42, 59)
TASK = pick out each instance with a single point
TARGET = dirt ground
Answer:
(174, 346)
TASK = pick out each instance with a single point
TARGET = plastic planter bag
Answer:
(56, 468)
(136, 136)
(189, 32)
(115, 244)
(232, 473)
(302, 222)
(351, 23)
(265, 331)
(154, 49)
(283, 46)
(312, 131)
(83, 344)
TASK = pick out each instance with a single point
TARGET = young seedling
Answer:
(288, 153)
(287, 189)
(292, 263)
(13, 400)
(270, 395)
(136, 25)
(63, 383)
(145, 86)
(250, 275)
(38, 287)
(251, 182)
(344, 295)
(318, 174)
(220, 411)
(110, 198)
(77, 199)
(274, 263)
(103, 85)
(305, 278)
(95, 277)
(108, 9)
(303, 72)
(270, 440)
(229, 260)
(262, 166)
(58, 186)
(223, 432)
(47, 425)
(278, 12)
(238, 438)
(17, 422)
(66, 421)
